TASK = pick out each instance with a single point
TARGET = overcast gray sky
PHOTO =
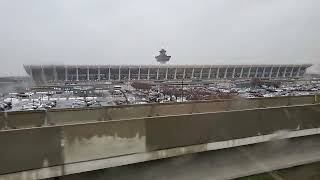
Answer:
(132, 31)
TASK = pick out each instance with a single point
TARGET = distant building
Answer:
(74, 73)
(313, 71)
(163, 57)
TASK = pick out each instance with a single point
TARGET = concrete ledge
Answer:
(91, 165)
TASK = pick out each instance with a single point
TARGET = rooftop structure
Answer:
(163, 57)
(61, 73)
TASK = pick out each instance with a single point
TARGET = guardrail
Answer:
(37, 148)
(26, 119)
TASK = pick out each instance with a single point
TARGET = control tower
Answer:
(163, 57)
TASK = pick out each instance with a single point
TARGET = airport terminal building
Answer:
(70, 73)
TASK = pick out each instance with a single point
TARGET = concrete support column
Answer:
(249, 72)
(201, 73)
(241, 72)
(263, 72)
(139, 72)
(192, 73)
(291, 73)
(225, 73)
(99, 73)
(284, 73)
(256, 73)
(298, 73)
(88, 74)
(148, 73)
(158, 72)
(129, 74)
(43, 75)
(271, 70)
(209, 75)
(66, 73)
(77, 73)
(234, 72)
(278, 72)
(31, 73)
(109, 74)
(119, 75)
(217, 75)
(184, 73)
(55, 74)
(175, 73)
(167, 74)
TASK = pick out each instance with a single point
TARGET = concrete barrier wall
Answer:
(30, 149)
(20, 119)
(151, 110)
(211, 106)
(72, 116)
(175, 131)
(97, 140)
(317, 98)
(274, 102)
(25, 149)
(127, 112)
(301, 100)
(245, 104)
(2, 122)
